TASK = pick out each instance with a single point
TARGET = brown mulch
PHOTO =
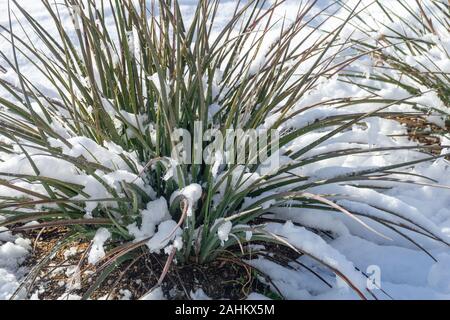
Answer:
(225, 278)
(423, 131)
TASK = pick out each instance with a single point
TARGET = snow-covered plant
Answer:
(91, 149)
(411, 53)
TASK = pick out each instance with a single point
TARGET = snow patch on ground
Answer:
(12, 254)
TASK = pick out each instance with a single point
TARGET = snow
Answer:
(167, 231)
(126, 294)
(256, 296)
(192, 193)
(68, 296)
(156, 212)
(314, 246)
(439, 274)
(72, 251)
(224, 230)
(97, 251)
(199, 294)
(406, 271)
(12, 254)
(156, 294)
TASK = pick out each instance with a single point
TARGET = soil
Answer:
(423, 131)
(229, 278)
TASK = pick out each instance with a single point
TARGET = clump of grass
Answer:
(124, 77)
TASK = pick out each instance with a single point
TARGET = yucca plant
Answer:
(101, 155)
(412, 53)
